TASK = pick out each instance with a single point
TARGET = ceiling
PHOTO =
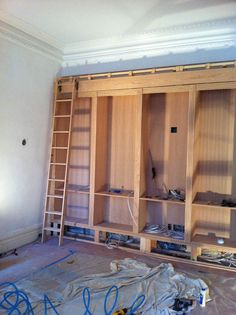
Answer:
(79, 26)
(71, 21)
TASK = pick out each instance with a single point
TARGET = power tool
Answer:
(121, 312)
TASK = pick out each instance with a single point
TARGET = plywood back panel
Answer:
(167, 151)
(177, 106)
(116, 211)
(77, 205)
(214, 145)
(102, 142)
(162, 213)
(79, 161)
(122, 123)
(145, 154)
(211, 220)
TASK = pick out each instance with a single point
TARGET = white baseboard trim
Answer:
(20, 238)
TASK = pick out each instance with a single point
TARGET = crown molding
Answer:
(178, 39)
(20, 33)
(175, 40)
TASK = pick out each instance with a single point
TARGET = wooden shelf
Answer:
(159, 237)
(115, 227)
(212, 204)
(115, 195)
(61, 116)
(55, 196)
(54, 213)
(77, 222)
(64, 100)
(77, 189)
(156, 199)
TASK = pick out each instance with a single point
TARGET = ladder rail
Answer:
(49, 160)
(46, 228)
(64, 200)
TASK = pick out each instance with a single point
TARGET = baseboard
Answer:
(20, 238)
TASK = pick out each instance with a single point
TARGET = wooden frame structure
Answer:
(119, 127)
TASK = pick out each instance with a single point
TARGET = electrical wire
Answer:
(129, 207)
(111, 243)
(221, 258)
(17, 302)
(163, 231)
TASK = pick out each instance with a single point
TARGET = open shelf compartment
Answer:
(164, 145)
(113, 213)
(214, 179)
(170, 218)
(77, 209)
(115, 143)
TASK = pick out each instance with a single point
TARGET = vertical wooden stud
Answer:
(93, 160)
(137, 162)
(189, 170)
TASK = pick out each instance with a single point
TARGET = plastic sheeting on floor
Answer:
(65, 281)
(160, 285)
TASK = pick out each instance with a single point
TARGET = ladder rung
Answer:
(56, 180)
(60, 148)
(64, 100)
(61, 116)
(54, 212)
(65, 84)
(52, 229)
(62, 164)
(55, 196)
(57, 131)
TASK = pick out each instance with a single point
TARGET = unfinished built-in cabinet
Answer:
(133, 140)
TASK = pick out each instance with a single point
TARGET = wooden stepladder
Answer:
(55, 201)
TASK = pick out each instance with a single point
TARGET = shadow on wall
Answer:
(199, 56)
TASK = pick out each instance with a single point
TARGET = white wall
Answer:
(26, 89)
(195, 57)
